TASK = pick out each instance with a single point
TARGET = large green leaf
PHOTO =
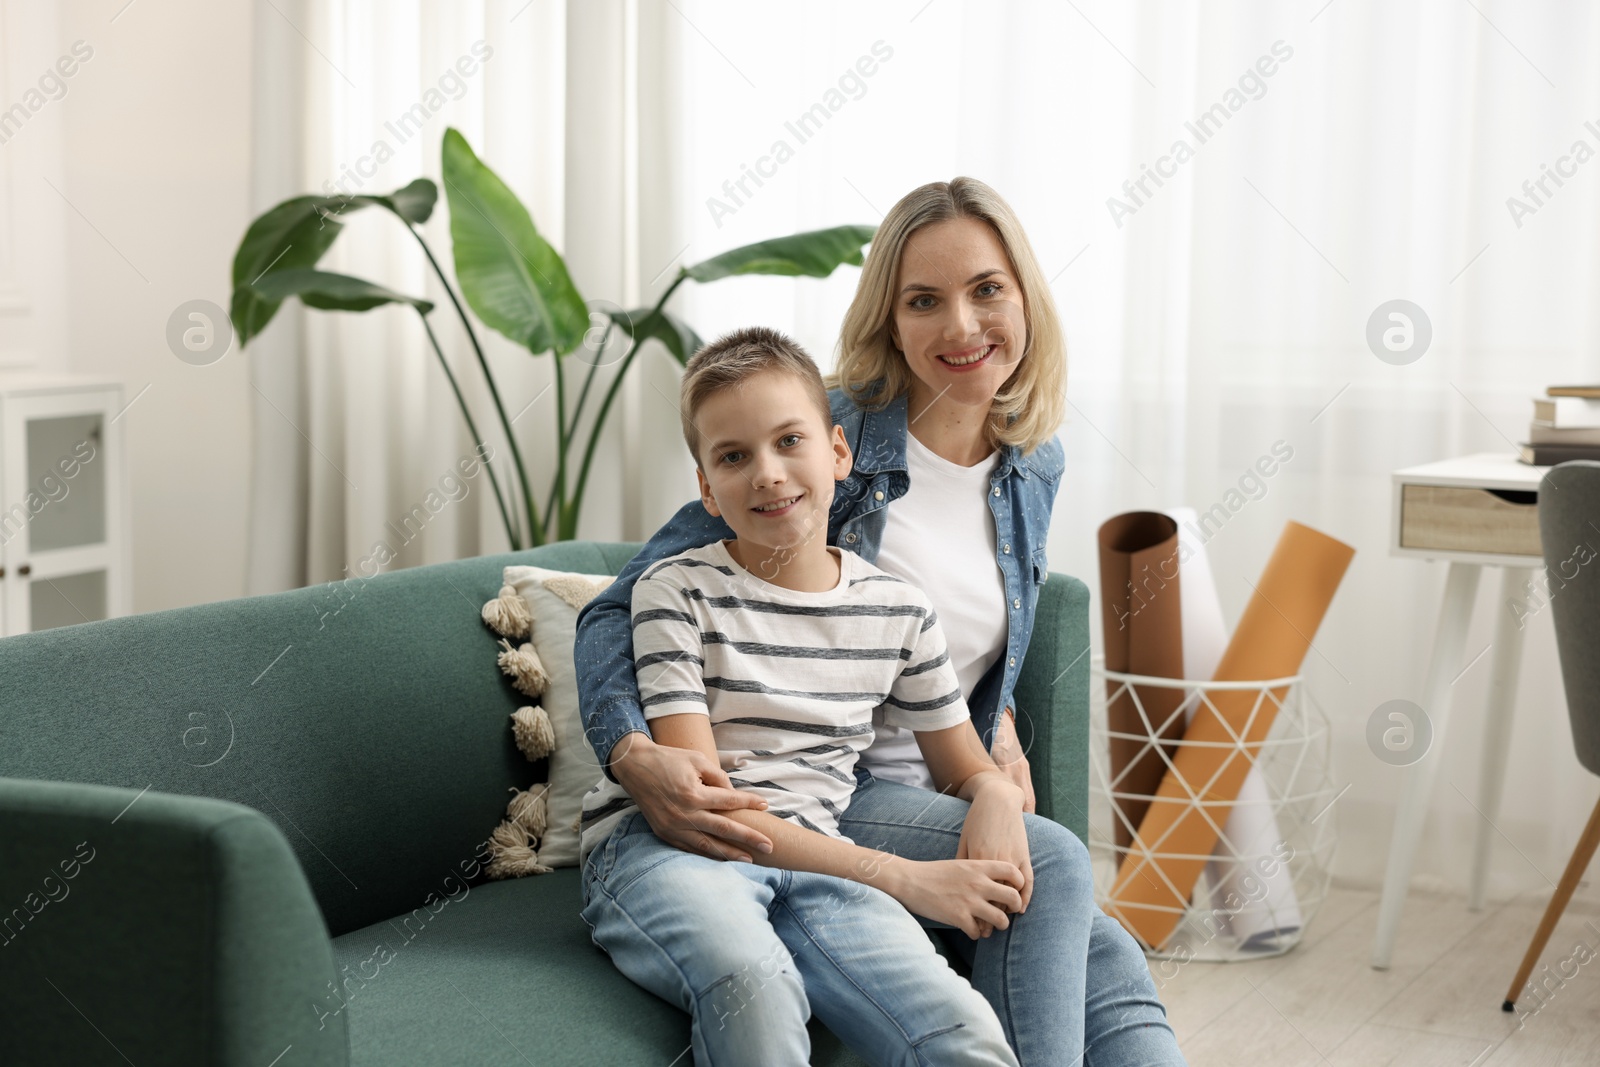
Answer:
(295, 234)
(816, 253)
(332, 292)
(414, 203)
(292, 235)
(664, 326)
(510, 275)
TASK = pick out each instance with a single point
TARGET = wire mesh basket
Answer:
(1269, 872)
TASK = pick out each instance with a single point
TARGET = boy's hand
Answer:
(1011, 760)
(681, 793)
(994, 831)
(972, 895)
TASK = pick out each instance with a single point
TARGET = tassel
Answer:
(525, 668)
(508, 615)
(530, 810)
(510, 855)
(535, 736)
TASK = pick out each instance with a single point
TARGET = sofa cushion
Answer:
(554, 599)
(505, 973)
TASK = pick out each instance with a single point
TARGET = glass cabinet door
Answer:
(58, 511)
(60, 455)
(66, 600)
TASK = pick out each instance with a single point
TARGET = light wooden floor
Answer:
(1438, 1004)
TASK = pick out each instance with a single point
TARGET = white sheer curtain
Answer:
(573, 106)
(1228, 310)
(1225, 313)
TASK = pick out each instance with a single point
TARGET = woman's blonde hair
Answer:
(1030, 406)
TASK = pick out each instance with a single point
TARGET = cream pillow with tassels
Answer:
(536, 616)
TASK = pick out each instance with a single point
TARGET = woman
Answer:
(949, 384)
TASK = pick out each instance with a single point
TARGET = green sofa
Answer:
(209, 816)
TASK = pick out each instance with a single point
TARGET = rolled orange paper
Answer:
(1271, 641)
(1141, 625)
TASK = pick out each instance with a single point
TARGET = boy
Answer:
(769, 654)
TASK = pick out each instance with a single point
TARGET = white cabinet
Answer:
(64, 551)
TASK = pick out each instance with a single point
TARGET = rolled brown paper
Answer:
(1270, 641)
(1141, 619)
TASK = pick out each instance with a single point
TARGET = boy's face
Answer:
(764, 441)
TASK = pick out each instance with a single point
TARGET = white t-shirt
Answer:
(791, 681)
(940, 537)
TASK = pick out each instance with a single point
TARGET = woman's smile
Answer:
(968, 359)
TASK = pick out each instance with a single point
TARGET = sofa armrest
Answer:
(1052, 703)
(157, 929)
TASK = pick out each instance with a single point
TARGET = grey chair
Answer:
(1569, 529)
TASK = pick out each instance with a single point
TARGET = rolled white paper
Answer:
(1252, 828)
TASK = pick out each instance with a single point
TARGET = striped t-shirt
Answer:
(789, 679)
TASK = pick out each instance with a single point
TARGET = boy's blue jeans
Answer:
(1069, 984)
(750, 952)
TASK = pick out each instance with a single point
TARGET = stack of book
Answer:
(1566, 426)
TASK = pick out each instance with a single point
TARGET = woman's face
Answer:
(958, 317)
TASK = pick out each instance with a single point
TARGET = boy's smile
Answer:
(768, 468)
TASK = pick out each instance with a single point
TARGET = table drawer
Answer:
(1470, 520)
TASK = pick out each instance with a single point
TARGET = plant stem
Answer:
(588, 380)
(505, 515)
(511, 438)
(560, 480)
(577, 413)
(611, 394)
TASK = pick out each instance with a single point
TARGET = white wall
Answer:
(154, 162)
(33, 268)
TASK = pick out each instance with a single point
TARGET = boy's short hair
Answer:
(736, 357)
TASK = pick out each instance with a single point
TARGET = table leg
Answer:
(1507, 665)
(1460, 589)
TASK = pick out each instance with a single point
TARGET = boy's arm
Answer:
(993, 828)
(926, 697)
(973, 896)
(958, 763)
(672, 787)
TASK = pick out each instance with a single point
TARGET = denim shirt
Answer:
(1022, 491)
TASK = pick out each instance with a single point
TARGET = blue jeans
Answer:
(749, 952)
(1069, 983)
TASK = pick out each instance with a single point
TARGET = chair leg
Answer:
(1581, 855)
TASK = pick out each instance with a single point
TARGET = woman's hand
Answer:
(994, 831)
(1009, 757)
(974, 896)
(681, 793)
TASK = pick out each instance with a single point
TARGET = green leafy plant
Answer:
(514, 283)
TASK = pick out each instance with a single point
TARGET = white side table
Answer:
(1473, 512)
